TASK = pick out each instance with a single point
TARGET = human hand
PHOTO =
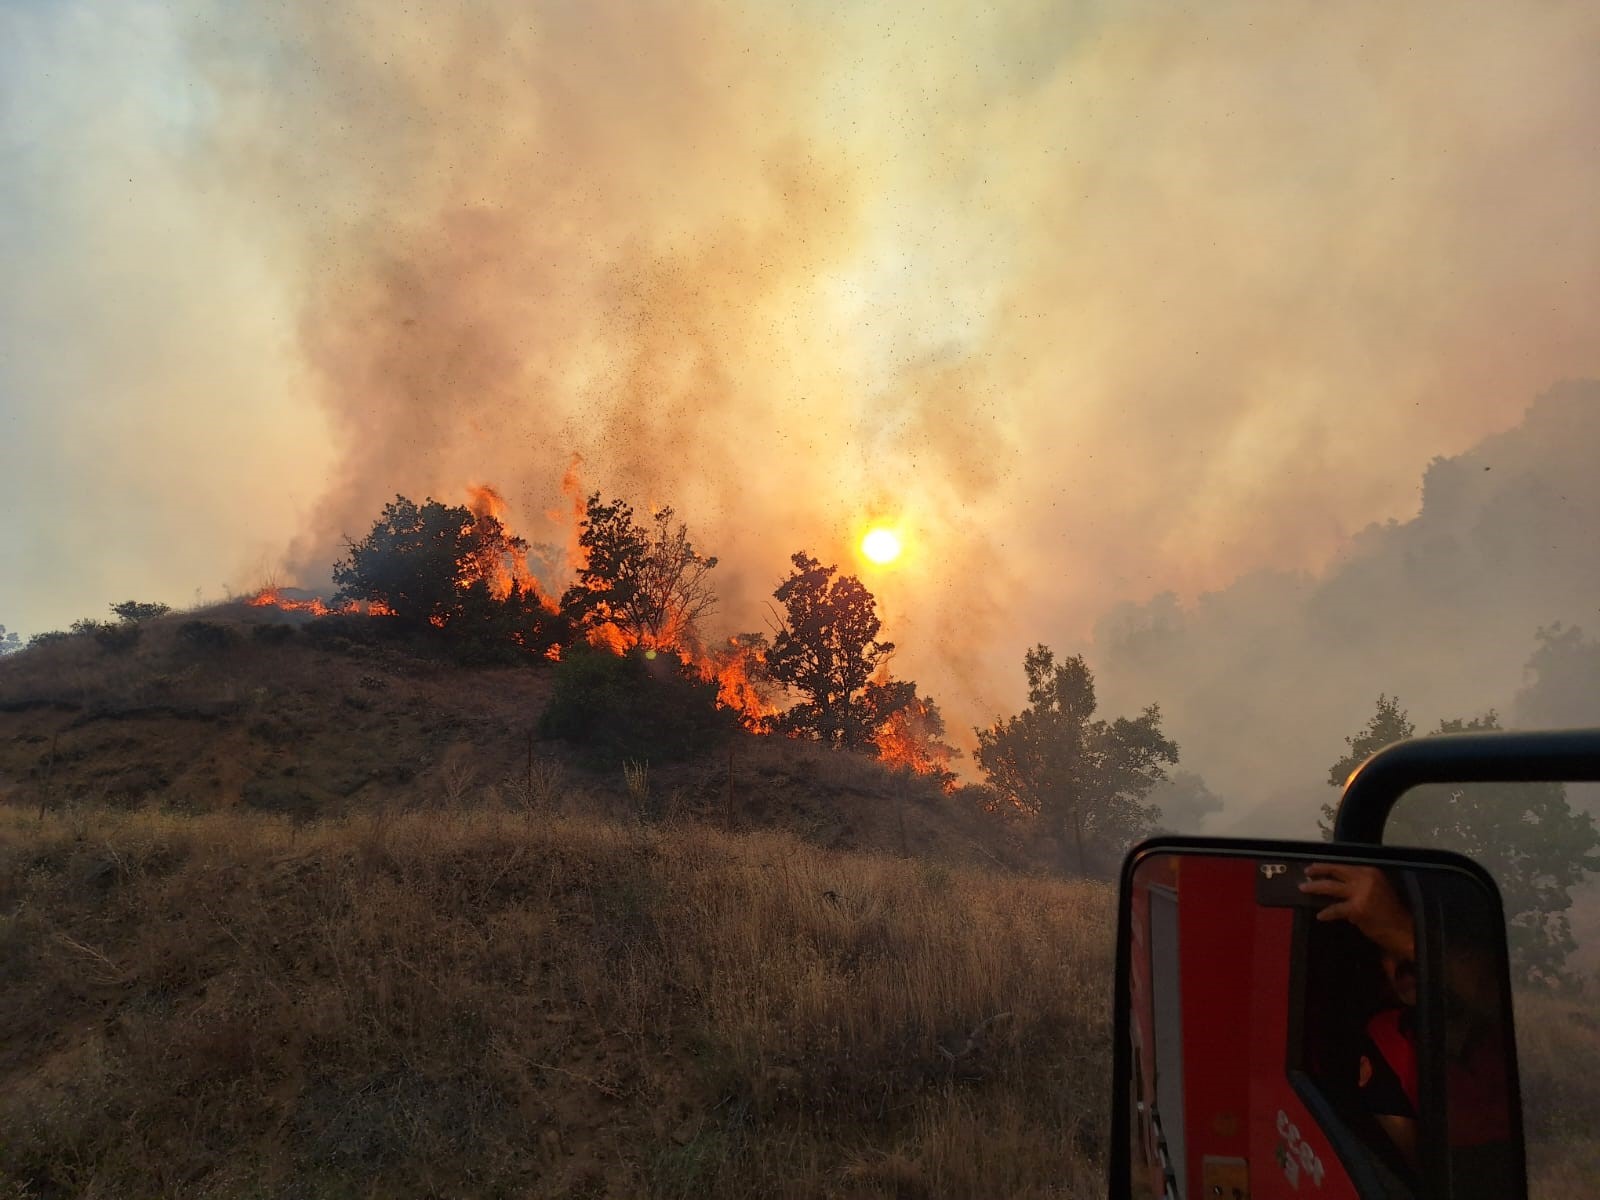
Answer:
(1364, 897)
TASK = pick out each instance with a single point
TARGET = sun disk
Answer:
(881, 546)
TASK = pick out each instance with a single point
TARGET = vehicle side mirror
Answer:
(1298, 1019)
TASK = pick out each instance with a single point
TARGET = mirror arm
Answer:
(1566, 755)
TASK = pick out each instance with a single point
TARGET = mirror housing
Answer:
(1445, 972)
(1265, 1047)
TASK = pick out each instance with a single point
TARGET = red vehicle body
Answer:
(1218, 1115)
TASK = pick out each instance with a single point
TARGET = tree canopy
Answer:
(1525, 835)
(419, 560)
(648, 583)
(9, 642)
(135, 611)
(1088, 779)
(1183, 802)
(1563, 687)
(827, 650)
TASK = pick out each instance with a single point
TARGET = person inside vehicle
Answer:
(1475, 1078)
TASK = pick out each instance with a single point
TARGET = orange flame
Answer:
(912, 738)
(273, 597)
(736, 670)
(608, 637)
(572, 522)
(484, 502)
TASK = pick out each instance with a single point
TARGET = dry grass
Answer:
(1558, 1049)
(376, 941)
(478, 1003)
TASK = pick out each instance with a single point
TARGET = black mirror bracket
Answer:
(1565, 755)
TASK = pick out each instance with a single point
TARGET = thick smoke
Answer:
(1262, 680)
(1099, 301)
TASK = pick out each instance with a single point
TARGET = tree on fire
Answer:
(912, 736)
(1088, 779)
(827, 650)
(649, 584)
(432, 564)
(1525, 835)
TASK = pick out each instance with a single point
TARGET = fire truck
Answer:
(1251, 1035)
(1209, 1107)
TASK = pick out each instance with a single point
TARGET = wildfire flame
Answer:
(909, 739)
(572, 489)
(502, 573)
(736, 669)
(905, 741)
(913, 738)
(273, 597)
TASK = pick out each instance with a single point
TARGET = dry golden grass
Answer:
(1558, 1050)
(467, 971)
(494, 1004)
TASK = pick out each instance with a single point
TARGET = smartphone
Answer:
(1278, 886)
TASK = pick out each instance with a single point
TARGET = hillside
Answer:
(273, 712)
(484, 1004)
(304, 914)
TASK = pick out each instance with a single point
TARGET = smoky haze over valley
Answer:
(1224, 345)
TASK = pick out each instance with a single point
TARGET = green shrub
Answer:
(510, 630)
(633, 708)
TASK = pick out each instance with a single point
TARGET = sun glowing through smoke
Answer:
(881, 546)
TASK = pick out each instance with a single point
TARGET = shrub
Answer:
(207, 636)
(115, 639)
(634, 707)
(135, 611)
(343, 632)
(271, 635)
(511, 629)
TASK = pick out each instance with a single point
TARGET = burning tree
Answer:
(827, 650)
(1088, 779)
(912, 736)
(638, 585)
(739, 667)
(433, 564)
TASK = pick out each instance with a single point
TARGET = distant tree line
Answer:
(1526, 835)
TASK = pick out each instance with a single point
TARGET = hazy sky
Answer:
(1100, 301)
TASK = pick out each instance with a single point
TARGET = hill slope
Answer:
(280, 714)
(311, 914)
(275, 713)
